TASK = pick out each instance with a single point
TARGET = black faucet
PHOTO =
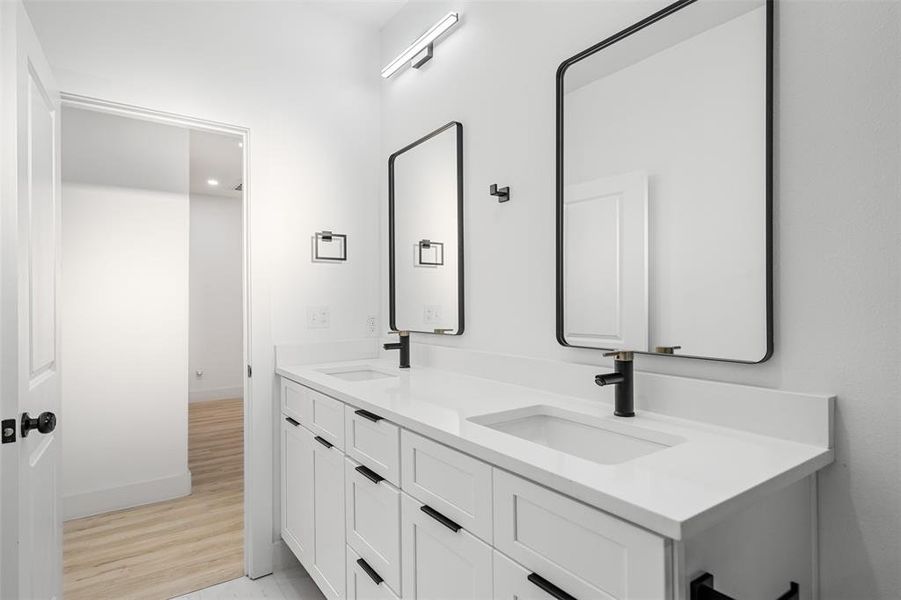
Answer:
(624, 405)
(403, 345)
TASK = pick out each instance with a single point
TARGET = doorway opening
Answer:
(154, 297)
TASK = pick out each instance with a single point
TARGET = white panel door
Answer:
(31, 521)
(606, 267)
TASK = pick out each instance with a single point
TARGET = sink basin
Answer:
(358, 374)
(599, 440)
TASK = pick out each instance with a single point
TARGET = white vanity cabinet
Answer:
(395, 514)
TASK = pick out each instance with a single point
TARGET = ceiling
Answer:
(219, 157)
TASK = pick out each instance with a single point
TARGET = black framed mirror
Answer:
(664, 185)
(425, 233)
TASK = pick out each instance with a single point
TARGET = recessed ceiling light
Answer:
(240, 144)
(213, 182)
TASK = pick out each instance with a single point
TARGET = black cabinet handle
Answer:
(369, 474)
(549, 587)
(370, 571)
(701, 588)
(292, 421)
(368, 415)
(440, 518)
(323, 441)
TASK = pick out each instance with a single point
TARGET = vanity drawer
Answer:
(374, 442)
(440, 560)
(580, 549)
(454, 484)
(322, 415)
(373, 521)
(363, 584)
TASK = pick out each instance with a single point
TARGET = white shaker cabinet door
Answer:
(297, 489)
(439, 563)
(330, 557)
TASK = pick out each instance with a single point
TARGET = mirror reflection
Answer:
(663, 187)
(425, 196)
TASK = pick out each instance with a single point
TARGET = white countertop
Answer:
(675, 492)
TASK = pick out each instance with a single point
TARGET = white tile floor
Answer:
(291, 584)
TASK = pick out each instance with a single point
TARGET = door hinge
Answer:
(8, 429)
(249, 371)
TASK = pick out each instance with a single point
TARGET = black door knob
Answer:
(44, 423)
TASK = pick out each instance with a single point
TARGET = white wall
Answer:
(305, 83)
(838, 236)
(124, 300)
(216, 322)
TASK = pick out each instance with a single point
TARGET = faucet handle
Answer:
(622, 355)
(667, 349)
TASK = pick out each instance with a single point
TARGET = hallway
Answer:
(174, 547)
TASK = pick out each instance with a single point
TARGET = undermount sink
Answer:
(358, 374)
(599, 440)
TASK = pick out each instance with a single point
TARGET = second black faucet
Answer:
(403, 345)
(624, 403)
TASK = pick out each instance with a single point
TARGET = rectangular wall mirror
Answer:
(425, 233)
(664, 202)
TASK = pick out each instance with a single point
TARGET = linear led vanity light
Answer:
(424, 42)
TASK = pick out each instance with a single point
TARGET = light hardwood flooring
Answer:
(175, 547)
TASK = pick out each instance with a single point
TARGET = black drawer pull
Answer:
(549, 587)
(368, 415)
(440, 518)
(701, 588)
(292, 421)
(369, 474)
(323, 441)
(370, 571)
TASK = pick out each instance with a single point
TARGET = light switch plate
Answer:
(317, 317)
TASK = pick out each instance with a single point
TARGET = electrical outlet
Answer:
(431, 314)
(370, 326)
(317, 317)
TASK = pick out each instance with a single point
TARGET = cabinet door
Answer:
(439, 563)
(328, 515)
(364, 582)
(297, 490)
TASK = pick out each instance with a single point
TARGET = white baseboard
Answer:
(225, 393)
(107, 500)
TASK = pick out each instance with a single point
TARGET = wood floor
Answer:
(170, 548)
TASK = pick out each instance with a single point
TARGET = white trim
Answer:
(258, 508)
(223, 393)
(97, 502)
